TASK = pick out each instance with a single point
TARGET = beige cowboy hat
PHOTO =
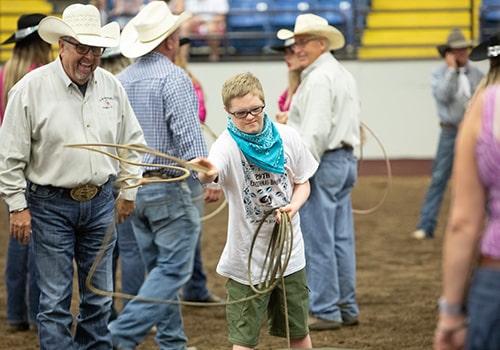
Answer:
(149, 28)
(455, 40)
(82, 22)
(315, 25)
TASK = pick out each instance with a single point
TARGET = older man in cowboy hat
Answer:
(61, 197)
(453, 83)
(325, 111)
(166, 223)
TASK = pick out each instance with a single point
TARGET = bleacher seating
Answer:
(251, 25)
(489, 17)
(10, 12)
(284, 13)
(375, 29)
(338, 13)
(248, 23)
(401, 29)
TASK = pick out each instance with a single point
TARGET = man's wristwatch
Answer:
(18, 210)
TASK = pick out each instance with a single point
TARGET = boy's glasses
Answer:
(84, 49)
(243, 114)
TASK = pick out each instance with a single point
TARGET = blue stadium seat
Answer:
(284, 13)
(489, 18)
(339, 13)
(245, 17)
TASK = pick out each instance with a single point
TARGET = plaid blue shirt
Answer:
(165, 103)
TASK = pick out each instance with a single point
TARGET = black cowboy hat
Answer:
(455, 40)
(487, 49)
(27, 25)
(286, 44)
(184, 41)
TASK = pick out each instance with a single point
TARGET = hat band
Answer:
(494, 51)
(23, 33)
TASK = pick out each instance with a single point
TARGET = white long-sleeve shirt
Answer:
(46, 111)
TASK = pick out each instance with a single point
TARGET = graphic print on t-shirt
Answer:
(262, 191)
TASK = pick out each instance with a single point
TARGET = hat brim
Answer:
(12, 39)
(442, 49)
(480, 52)
(132, 47)
(279, 48)
(334, 36)
(52, 28)
(184, 41)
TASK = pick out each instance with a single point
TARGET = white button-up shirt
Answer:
(45, 112)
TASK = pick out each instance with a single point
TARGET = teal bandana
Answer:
(264, 149)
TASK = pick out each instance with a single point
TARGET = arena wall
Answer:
(397, 104)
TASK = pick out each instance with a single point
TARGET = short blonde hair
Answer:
(241, 85)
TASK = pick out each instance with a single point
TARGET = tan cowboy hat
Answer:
(82, 22)
(316, 25)
(149, 28)
(455, 40)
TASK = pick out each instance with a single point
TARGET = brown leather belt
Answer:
(157, 173)
(448, 126)
(489, 262)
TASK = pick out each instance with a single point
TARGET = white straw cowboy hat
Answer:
(149, 28)
(315, 25)
(82, 22)
(455, 40)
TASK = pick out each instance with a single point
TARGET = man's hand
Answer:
(124, 209)
(450, 60)
(20, 226)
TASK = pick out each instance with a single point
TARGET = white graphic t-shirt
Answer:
(251, 192)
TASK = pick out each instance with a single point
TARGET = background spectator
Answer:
(29, 52)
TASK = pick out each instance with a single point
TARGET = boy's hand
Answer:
(286, 209)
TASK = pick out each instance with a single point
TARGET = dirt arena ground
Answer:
(398, 279)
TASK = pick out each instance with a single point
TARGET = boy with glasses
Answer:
(264, 170)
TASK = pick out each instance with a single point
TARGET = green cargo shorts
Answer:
(245, 319)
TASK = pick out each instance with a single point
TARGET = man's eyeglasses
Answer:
(303, 42)
(243, 114)
(84, 49)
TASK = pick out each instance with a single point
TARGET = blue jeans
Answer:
(167, 228)
(21, 282)
(327, 224)
(133, 271)
(483, 308)
(441, 172)
(196, 289)
(64, 231)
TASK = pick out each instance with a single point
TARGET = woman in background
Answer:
(30, 52)
(469, 308)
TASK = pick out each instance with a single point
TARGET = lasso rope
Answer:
(389, 174)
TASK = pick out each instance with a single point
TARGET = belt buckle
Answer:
(84, 193)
